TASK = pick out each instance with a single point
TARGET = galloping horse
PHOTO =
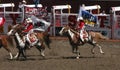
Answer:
(22, 44)
(75, 41)
(5, 42)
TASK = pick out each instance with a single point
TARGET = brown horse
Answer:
(7, 43)
(23, 43)
(75, 41)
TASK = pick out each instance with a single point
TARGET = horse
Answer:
(75, 41)
(23, 43)
(6, 42)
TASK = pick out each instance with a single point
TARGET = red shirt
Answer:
(29, 27)
(81, 24)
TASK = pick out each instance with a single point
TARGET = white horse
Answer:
(75, 41)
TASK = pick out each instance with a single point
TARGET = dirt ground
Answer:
(60, 57)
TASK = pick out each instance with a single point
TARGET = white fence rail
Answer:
(106, 24)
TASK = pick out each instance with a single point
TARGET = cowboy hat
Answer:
(79, 18)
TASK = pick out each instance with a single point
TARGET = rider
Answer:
(72, 21)
(30, 36)
(28, 25)
(81, 28)
(35, 24)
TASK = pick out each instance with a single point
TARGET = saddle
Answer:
(85, 34)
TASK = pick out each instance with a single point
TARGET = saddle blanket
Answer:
(32, 39)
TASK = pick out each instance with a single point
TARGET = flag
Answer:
(36, 20)
(89, 18)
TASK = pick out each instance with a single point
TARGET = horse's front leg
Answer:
(42, 51)
(21, 51)
(75, 50)
(9, 51)
(18, 54)
(11, 56)
(78, 52)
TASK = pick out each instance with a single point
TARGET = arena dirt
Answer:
(60, 57)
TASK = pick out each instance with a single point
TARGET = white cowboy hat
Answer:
(80, 18)
(28, 20)
(24, 1)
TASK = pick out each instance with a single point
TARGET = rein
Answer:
(74, 31)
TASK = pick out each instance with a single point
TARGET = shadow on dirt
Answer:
(37, 57)
(73, 57)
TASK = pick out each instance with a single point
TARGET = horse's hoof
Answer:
(77, 57)
(25, 58)
(43, 57)
(93, 52)
(10, 58)
(15, 57)
(42, 54)
(102, 53)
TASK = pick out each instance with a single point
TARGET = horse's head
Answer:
(64, 30)
(16, 28)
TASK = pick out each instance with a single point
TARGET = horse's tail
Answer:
(98, 35)
(103, 37)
